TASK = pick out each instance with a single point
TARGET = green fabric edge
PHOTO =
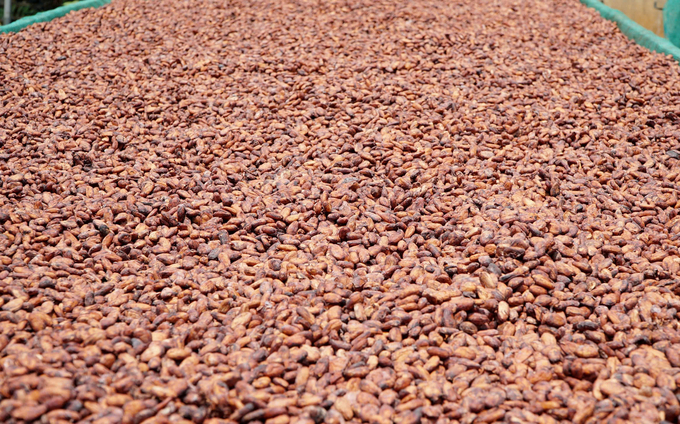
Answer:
(51, 14)
(634, 31)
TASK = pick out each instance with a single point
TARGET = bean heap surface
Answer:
(338, 211)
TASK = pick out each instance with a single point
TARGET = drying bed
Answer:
(337, 211)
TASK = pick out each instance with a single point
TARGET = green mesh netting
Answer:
(671, 21)
(51, 14)
(634, 31)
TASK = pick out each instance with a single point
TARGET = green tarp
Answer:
(51, 14)
(671, 21)
(634, 31)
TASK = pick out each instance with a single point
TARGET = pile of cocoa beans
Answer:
(335, 212)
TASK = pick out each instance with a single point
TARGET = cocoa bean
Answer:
(328, 212)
